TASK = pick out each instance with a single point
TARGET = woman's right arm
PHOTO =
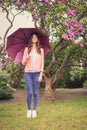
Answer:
(25, 56)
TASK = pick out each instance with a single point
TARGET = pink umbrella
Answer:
(18, 40)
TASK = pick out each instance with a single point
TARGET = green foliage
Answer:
(64, 78)
(5, 91)
(15, 74)
(73, 77)
(85, 84)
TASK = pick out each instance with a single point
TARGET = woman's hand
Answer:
(40, 79)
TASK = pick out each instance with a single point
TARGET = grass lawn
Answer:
(56, 115)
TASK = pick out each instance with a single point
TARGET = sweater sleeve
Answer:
(42, 60)
(25, 56)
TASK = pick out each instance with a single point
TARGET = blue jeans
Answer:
(32, 85)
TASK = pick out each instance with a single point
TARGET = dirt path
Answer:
(60, 94)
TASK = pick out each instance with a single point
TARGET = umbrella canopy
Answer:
(18, 40)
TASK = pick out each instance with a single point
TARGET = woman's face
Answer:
(34, 38)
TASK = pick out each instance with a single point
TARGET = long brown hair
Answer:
(30, 44)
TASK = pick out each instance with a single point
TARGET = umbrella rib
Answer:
(23, 33)
(19, 37)
(18, 43)
(12, 46)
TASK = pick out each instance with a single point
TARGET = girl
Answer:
(33, 59)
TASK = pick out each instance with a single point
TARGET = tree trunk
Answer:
(48, 92)
(50, 85)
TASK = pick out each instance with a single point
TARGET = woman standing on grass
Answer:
(33, 59)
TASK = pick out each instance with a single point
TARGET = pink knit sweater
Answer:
(35, 62)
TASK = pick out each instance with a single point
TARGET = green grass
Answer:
(59, 115)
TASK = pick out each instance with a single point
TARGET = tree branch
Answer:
(55, 56)
(10, 21)
(60, 71)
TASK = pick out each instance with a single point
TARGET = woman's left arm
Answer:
(42, 60)
(42, 65)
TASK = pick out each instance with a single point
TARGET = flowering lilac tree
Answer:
(64, 21)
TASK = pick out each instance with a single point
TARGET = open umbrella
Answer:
(18, 40)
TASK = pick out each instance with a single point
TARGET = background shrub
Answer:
(5, 91)
(85, 84)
